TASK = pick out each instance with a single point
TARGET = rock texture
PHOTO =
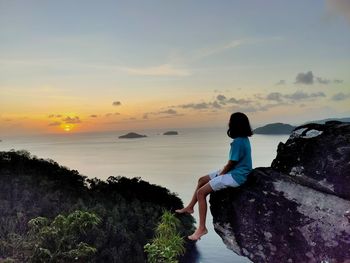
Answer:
(319, 154)
(298, 210)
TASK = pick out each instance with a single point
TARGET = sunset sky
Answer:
(81, 66)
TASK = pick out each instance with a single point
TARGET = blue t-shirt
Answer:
(241, 153)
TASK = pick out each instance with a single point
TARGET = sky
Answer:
(90, 66)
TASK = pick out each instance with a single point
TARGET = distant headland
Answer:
(132, 135)
(275, 128)
(284, 128)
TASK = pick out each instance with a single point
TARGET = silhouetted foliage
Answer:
(129, 209)
(61, 239)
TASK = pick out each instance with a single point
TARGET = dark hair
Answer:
(239, 126)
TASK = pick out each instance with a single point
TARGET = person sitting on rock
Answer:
(233, 174)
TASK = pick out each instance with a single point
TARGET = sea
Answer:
(172, 161)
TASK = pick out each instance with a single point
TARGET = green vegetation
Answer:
(168, 244)
(128, 210)
(61, 240)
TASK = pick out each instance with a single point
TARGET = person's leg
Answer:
(189, 208)
(215, 184)
(202, 203)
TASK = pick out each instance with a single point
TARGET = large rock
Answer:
(298, 210)
(319, 154)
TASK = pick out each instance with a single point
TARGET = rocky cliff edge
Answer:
(297, 210)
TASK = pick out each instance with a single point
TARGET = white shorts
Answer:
(218, 182)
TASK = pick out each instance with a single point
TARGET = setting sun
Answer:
(67, 127)
(110, 111)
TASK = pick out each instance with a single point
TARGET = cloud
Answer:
(131, 119)
(223, 47)
(256, 107)
(164, 70)
(238, 101)
(55, 116)
(209, 51)
(340, 6)
(281, 82)
(305, 78)
(221, 97)
(308, 78)
(274, 96)
(189, 57)
(223, 100)
(109, 114)
(216, 105)
(165, 114)
(300, 95)
(256, 103)
(116, 103)
(195, 106)
(171, 116)
(72, 120)
(328, 81)
(170, 111)
(323, 81)
(55, 123)
(93, 116)
(340, 96)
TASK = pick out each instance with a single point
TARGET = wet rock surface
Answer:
(286, 213)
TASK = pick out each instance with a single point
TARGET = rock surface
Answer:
(319, 154)
(298, 210)
(131, 135)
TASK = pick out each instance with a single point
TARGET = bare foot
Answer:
(198, 234)
(184, 210)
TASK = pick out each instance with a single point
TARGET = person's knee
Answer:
(202, 180)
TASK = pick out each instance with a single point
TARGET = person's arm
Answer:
(228, 167)
(234, 156)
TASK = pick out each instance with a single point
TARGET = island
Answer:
(275, 128)
(171, 133)
(132, 135)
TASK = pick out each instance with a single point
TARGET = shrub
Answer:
(62, 239)
(167, 245)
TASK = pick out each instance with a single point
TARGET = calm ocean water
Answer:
(174, 162)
